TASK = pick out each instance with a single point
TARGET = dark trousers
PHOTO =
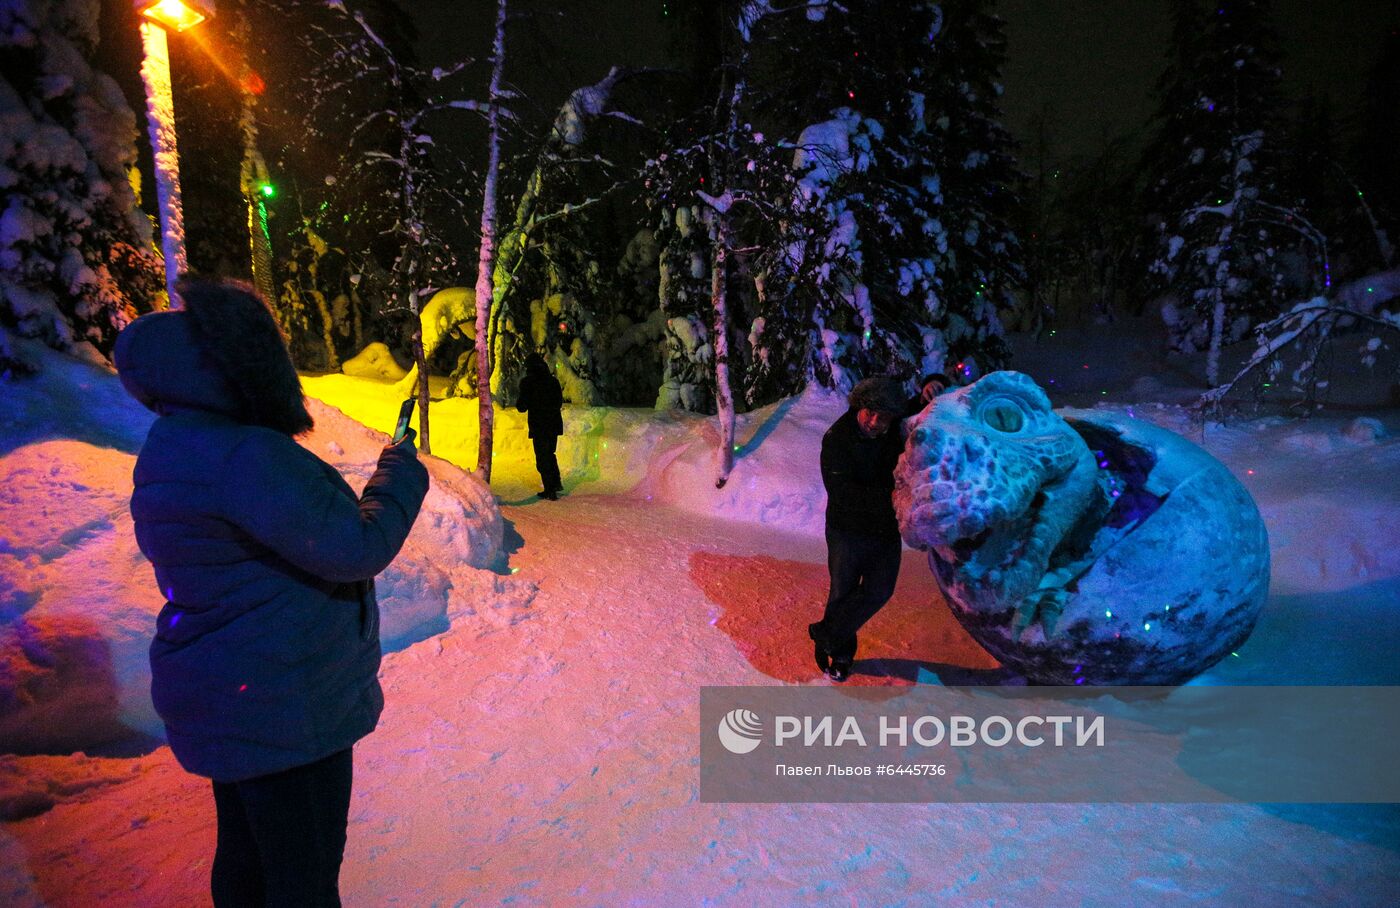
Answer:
(863, 573)
(282, 836)
(546, 463)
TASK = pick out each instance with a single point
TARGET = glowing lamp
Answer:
(176, 15)
(268, 190)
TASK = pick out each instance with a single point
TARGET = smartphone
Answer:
(405, 414)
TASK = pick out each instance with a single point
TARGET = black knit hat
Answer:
(880, 393)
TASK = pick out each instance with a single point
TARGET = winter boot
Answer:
(823, 655)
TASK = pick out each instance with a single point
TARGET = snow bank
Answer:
(458, 533)
(1324, 534)
(776, 481)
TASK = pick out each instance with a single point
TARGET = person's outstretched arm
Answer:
(281, 495)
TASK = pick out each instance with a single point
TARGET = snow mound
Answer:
(77, 602)
(459, 531)
(68, 397)
(1365, 430)
(374, 361)
(776, 479)
(1359, 433)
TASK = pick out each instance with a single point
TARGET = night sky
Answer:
(1089, 65)
(1092, 65)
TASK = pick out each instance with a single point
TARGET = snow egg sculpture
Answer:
(1080, 546)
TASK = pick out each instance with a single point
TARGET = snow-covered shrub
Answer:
(1362, 315)
(683, 291)
(374, 361)
(688, 380)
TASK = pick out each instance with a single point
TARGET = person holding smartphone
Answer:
(264, 666)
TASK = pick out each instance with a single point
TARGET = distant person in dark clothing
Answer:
(541, 399)
(264, 666)
(930, 386)
(859, 453)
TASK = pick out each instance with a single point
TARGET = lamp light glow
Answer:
(175, 15)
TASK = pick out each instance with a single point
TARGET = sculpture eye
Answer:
(1004, 416)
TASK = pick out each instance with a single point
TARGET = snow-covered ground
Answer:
(540, 740)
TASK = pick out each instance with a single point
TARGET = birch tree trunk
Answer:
(724, 397)
(720, 239)
(486, 260)
(1217, 334)
(424, 444)
(408, 270)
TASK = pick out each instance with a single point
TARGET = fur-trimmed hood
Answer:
(161, 365)
(222, 353)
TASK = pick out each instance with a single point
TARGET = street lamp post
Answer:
(156, 17)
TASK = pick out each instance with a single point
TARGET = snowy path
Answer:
(543, 752)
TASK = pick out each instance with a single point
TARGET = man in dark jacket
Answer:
(859, 453)
(266, 654)
(541, 399)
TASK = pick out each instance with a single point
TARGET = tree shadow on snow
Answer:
(765, 428)
(70, 399)
(1374, 824)
(1345, 637)
(766, 604)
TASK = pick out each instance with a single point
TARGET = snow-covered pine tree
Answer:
(76, 261)
(1213, 188)
(902, 156)
(727, 194)
(701, 41)
(687, 378)
(978, 178)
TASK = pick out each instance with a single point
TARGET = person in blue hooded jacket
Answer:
(266, 653)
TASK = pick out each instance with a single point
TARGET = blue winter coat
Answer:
(266, 654)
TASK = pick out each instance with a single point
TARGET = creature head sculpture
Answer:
(992, 480)
(1062, 541)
